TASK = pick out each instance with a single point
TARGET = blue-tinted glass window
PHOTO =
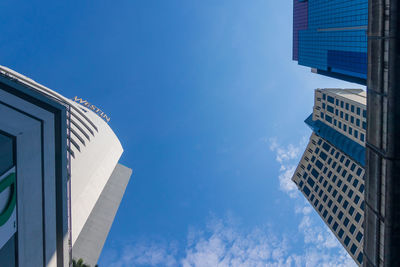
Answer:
(347, 106)
(330, 109)
(353, 166)
(340, 215)
(362, 137)
(364, 125)
(347, 163)
(319, 164)
(358, 217)
(353, 249)
(364, 113)
(340, 199)
(351, 210)
(320, 208)
(339, 183)
(355, 183)
(358, 122)
(356, 199)
(334, 193)
(334, 209)
(323, 96)
(360, 257)
(351, 119)
(310, 182)
(359, 171)
(325, 198)
(345, 204)
(361, 188)
(323, 105)
(335, 226)
(352, 228)
(324, 214)
(350, 130)
(306, 190)
(358, 111)
(334, 178)
(330, 219)
(341, 232)
(359, 236)
(330, 203)
(347, 241)
(346, 222)
(355, 133)
(331, 99)
(314, 173)
(350, 194)
(352, 108)
(323, 155)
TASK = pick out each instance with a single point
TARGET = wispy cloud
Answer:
(224, 242)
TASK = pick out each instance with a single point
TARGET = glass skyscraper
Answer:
(331, 171)
(330, 36)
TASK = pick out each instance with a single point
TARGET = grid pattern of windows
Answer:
(335, 39)
(333, 184)
(300, 21)
(344, 110)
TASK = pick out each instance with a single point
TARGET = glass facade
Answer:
(334, 39)
(8, 240)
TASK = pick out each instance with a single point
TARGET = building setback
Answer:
(330, 36)
(331, 171)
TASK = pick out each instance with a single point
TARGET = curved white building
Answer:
(97, 181)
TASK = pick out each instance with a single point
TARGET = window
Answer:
(344, 127)
(351, 210)
(306, 190)
(351, 119)
(356, 199)
(347, 163)
(330, 219)
(353, 249)
(310, 182)
(350, 193)
(360, 257)
(361, 188)
(355, 133)
(341, 159)
(352, 108)
(355, 183)
(337, 102)
(347, 241)
(358, 111)
(340, 215)
(359, 236)
(364, 125)
(359, 171)
(335, 226)
(362, 137)
(353, 166)
(323, 155)
(334, 178)
(339, 183)
(316, 202)
(344, 172)
(330, 108)
(325, 198)
(352, 228)
(334, 165)
(340, 199)
(347, 106)
(345, 204)
(346, 222)
(358, 217)
(314, 173)
(320, 207)
(364, 113)
(358, 122)
(323, 96)
(350, 130)
(362, 205)
(323, 105)
(326, 146)
(341, 114)
(334, 193)
(324, 214)
(334, 209)
(325, 183)
(331, 99)
(341, 232)
(339, 168)
(312, 197)
(341, 104)
(330, 203)
(346, 117)
(301, 183)
(322, 115)
(319, 164)
(329, 188)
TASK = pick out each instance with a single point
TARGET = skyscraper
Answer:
(330, 36)
(60, 180)
(331, 171)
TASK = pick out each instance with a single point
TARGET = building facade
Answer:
(330, 36)
(63, 175)
(331, 171)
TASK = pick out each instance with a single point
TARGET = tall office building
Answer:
(330, 36)
(60, 180)
(331, 171)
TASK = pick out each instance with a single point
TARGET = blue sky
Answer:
(209, 108)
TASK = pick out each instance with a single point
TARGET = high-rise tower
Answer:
(330, 36)
(331, 171)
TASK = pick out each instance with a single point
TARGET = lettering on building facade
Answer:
(95, 109)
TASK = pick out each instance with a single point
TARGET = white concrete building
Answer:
(76, 215)
(331, 171)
